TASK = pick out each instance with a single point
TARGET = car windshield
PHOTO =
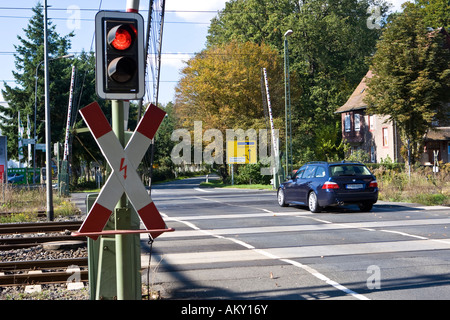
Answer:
(349, 170)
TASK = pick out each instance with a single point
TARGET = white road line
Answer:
(284, 253)
(237, 255)
(324, 226)
(234, 216)
(322, 277)
(202, 190)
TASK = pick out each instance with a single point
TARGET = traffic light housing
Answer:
(119, 54)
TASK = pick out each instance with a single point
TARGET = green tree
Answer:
(436, 13)
(29, 54)
(328, 48)
(84, 149)
(411, 82)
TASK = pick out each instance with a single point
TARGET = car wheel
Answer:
(313, 204)
(281, 198)
(365, 206)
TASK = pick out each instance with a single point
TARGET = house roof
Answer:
(438, 134)
(356, 100)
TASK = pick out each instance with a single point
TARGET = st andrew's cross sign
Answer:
(124, 177)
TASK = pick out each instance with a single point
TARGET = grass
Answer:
(422, 187)
(24, 203)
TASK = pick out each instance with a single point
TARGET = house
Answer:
(371, 133)
(380, 138)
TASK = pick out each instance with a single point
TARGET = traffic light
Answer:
(119, 54)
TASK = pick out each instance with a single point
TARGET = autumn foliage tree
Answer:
(221, 86)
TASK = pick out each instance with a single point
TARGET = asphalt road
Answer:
(239, 244)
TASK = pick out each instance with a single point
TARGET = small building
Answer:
(380, 138)
(372, 133)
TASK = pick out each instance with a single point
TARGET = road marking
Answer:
(321, 251)
(202, 190)
(368, 226)
(237, 255)
(286, 254)
(326, 279)
(233, 216)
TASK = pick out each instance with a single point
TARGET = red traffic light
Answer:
(119, 55)
(122, 36)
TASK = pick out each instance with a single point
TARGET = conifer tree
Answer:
(29, 58)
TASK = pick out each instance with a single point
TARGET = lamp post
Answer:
(287, 106)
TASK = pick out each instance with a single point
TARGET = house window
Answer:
(448, 157)
(372, 154)
(357, 122)
(347, 123)
(371, 123)
(385, 137)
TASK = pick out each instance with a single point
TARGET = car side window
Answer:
(320, 172)
(298, 174)
(309, 172)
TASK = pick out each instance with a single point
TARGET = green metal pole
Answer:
(120, 215)
(286, 167)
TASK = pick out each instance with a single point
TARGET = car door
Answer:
(303, 184)
(290, 189)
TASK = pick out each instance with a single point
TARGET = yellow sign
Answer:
(241, 152)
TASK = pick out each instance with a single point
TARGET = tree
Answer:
(328, 49)
(411, 82)
(222, 86)
(436, 13)
(84, 149)
(30, 53)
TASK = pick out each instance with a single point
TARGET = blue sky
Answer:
(185, 29)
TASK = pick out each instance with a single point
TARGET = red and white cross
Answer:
(124, 177)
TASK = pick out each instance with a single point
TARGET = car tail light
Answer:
(330, 185)
(373, 184)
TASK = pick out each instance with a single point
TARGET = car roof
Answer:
(336, 163)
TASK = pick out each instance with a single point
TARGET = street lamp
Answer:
(287, 106)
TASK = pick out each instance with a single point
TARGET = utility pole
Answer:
(48, 137)
(287, 108)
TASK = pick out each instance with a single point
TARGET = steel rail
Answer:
(40, 278)
(27, 242)
(11, 228)
(13, 266)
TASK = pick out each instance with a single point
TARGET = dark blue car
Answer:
(322, 184)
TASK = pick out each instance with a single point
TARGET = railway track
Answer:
(60, 231)
(13, 273)
(46, 271)
(37, 227)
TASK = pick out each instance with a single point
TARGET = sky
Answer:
(185, 29)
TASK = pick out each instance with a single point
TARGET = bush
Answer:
(251, 174)
(422, 187)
